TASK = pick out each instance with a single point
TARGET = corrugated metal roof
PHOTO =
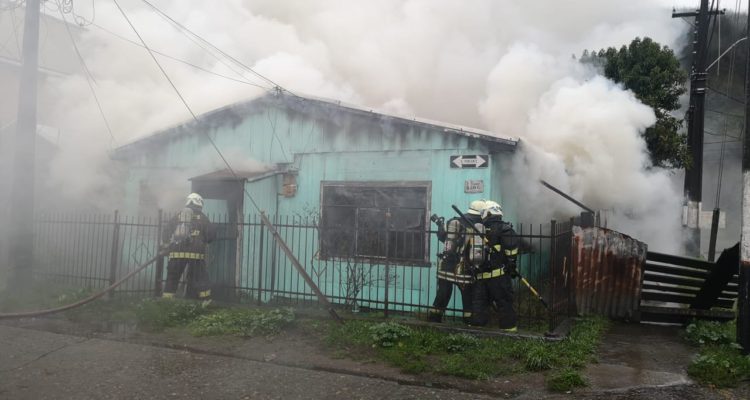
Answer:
(249, 105)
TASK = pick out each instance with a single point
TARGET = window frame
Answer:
(426, 185)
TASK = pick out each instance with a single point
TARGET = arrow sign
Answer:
(472, 161)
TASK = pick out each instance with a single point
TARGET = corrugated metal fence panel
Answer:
(608, 270)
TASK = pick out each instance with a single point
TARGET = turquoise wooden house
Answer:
(351, 190)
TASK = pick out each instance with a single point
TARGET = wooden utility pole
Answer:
(693, 187)
(743, 296)
(22, 183)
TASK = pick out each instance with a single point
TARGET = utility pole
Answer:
(743, 295)
(22, 183)
(694, 175)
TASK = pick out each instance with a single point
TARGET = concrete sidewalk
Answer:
(43, 365)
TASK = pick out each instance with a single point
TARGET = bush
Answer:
(388, 334)
(565, 380)
(241, 322)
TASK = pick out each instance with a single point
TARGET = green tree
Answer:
(653, 73)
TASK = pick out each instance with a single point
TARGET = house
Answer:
(369, 181)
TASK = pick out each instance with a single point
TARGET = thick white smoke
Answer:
(503, 65)
(581, 132)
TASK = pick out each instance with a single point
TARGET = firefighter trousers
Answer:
(198, 283)
(500, 291)
(443, 297)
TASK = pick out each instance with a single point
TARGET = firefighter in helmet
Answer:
(186, 236)
(453, 267)
(494, 277)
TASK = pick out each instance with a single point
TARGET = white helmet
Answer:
(476, 207)
(194, 199)
(492, 208)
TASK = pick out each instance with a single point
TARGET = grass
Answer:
(719, 362)
(565, 380)
(152, 314)
(416, 350)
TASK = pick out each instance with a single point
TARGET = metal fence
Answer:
(246, 265)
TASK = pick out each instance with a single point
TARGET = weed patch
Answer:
(156, 315)
(241, 322)
(719, 362)
(389, 334)
(416, 350)
(710, 333)
(721, 366)
(565, 380)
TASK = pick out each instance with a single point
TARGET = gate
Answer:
(671, 288)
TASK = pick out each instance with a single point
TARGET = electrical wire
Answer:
(179, 59)
(271, 228)
(233, 59)
(89, 78)
(187, 106)
(203, 47)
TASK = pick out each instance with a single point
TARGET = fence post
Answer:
(114, 251)
(260, 265)
(553, 276)
(387, 261)
(159, 273)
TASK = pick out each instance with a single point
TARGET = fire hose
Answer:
(87, 299)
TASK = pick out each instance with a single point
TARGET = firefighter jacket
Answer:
(502, 243)
(202, 232)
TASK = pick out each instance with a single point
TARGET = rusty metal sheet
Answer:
(607, 269)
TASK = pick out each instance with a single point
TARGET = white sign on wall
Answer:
(474, 186)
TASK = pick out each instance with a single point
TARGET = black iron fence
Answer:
(246, 265)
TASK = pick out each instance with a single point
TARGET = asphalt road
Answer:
(43, 365)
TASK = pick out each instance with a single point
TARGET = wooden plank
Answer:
(650, 277)
(682, 315)
(673, 270)
(688, 312)
(671, 289)
(677, 260)
(678, 298)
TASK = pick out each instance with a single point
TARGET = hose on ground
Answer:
(89, 299)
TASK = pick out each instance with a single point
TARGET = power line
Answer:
(164, 15)
(188, 63)
(200, 45)
(277, 237)
(89, 77)
(177, 91)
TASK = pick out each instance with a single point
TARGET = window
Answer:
(375, 220)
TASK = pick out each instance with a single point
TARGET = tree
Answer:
(653, 73)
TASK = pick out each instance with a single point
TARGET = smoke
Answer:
(581, 133)
(496, 64)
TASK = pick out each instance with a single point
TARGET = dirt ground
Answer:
(635, 362)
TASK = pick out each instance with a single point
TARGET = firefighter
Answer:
(186, 236)
(494, 277)
(452, 267)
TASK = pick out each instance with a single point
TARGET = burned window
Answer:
(369, 220)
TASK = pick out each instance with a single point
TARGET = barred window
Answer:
(374, 220)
